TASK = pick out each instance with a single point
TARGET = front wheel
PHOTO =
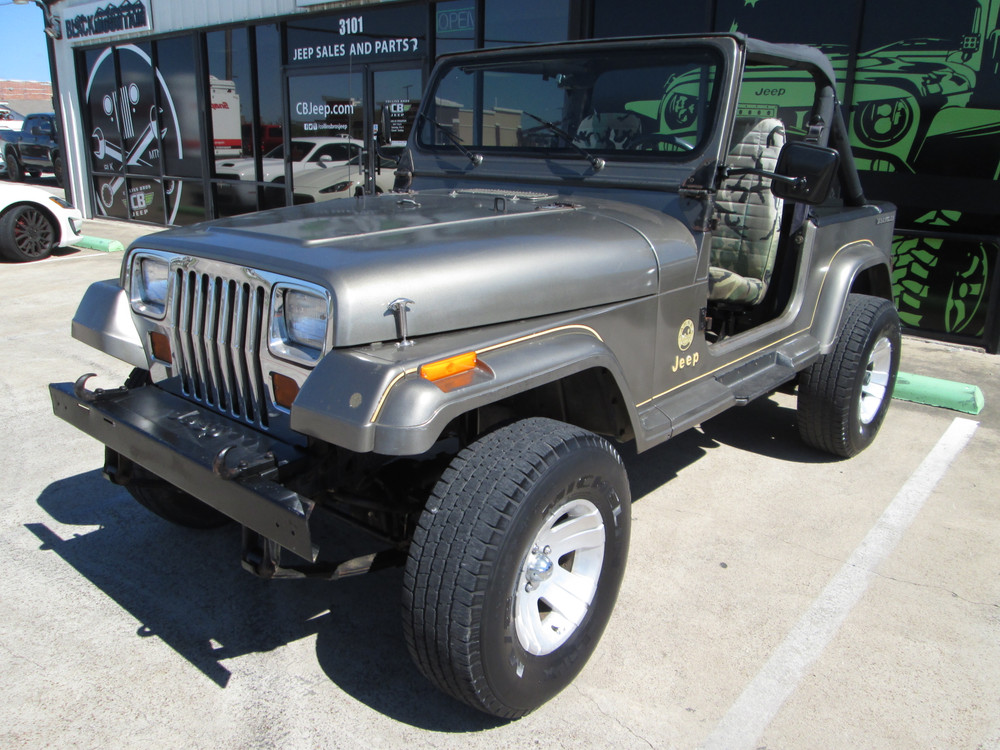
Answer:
(14, 170)
(844, 396)
(26, 233)
(515, 565)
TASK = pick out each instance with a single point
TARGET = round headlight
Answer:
(149, 282)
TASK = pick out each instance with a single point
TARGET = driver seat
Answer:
(745, 241)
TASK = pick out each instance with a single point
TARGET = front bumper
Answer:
(226, 465)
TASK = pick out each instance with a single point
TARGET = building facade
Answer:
(176, 112)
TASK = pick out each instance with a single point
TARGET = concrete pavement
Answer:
(774, 597)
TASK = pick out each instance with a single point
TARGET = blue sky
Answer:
(22, 52)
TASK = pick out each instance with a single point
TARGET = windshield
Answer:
(611, 103)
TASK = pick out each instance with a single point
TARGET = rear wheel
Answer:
(844, 396)
(26, 233)
(516, 563)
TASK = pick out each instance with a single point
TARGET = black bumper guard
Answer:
(224, 464)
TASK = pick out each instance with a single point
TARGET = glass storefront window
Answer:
(509, 22)
(136, 110)
(145, 200)
(631, 17)
(269, 86)
(142, 120)
(98, 107)
(400, 90)
(327, 106)
(185, 201)
(230, 87)
(455, 26)
(180, 113)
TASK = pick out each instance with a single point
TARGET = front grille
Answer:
(217, 328)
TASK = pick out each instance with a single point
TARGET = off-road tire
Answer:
(481, 574)
(171, 503)
(844, 396)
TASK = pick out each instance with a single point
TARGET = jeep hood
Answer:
(464, 260)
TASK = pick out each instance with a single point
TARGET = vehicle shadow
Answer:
(187, 588)
(764, 427)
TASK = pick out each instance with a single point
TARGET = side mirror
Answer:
(805, 172)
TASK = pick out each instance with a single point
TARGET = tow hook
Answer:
(99, 394)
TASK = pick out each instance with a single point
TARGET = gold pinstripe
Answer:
(768, 346)
(484, 350)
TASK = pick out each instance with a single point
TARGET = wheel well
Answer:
(48, 215)
(874, 281)
(589, 399)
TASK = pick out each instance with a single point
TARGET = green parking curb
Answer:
(99, 243)
(921, 389)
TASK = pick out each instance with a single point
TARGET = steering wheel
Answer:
(648, 141)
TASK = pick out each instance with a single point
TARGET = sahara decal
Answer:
(685, 335)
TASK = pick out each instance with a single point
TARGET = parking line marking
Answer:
(763, 697)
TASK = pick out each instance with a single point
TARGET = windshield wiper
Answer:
(476, 159)
(595, 161)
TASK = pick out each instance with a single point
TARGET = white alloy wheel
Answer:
(878, 374)
(559, 576)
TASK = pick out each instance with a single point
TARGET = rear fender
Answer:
(857, 267)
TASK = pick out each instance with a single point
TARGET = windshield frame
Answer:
(605, 58)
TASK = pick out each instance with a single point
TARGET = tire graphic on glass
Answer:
(940, 284)
(129, 128)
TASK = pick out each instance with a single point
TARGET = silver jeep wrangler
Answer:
(588, 243)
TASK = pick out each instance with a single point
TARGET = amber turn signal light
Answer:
(160, 345)
(285, 389)
(445, 368)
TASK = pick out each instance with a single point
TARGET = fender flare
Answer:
(103, 320)
(850, 262)
(365, 404)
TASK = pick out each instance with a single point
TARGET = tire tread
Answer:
(442, 597)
